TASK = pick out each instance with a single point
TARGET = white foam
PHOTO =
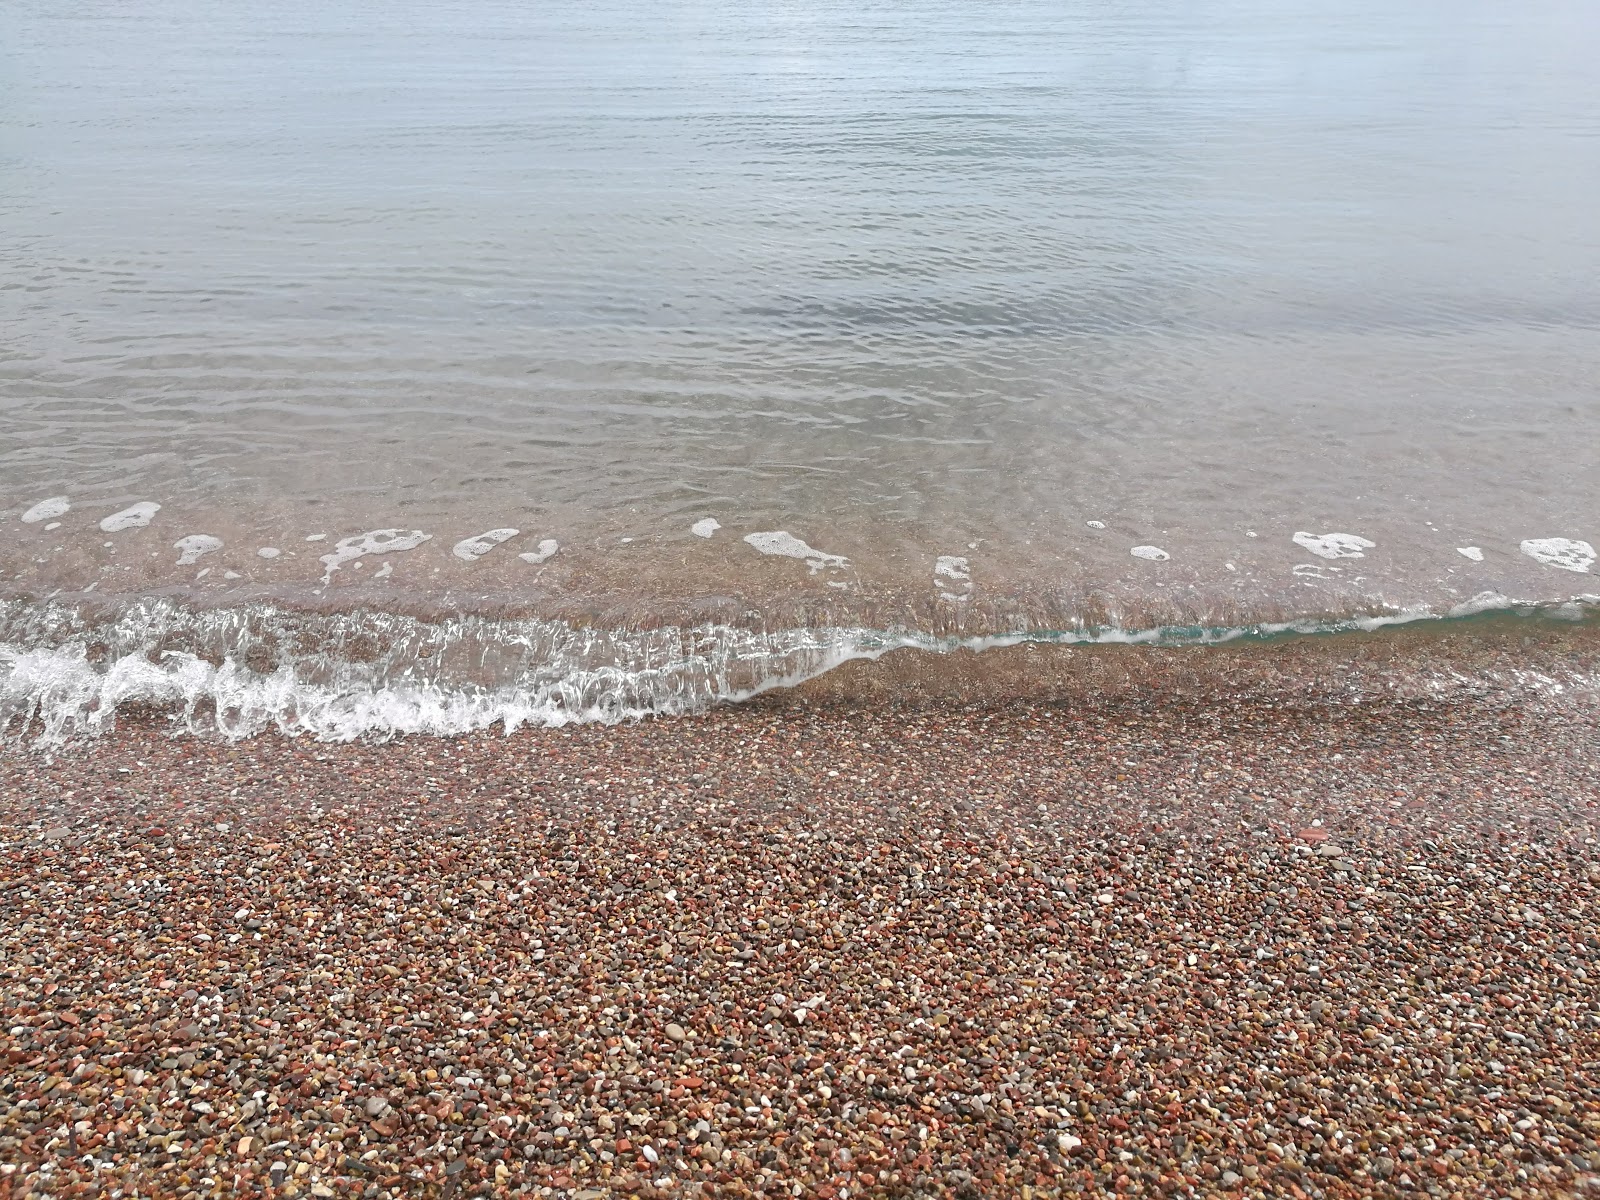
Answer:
(473, 548)
(135, 516)
(456, 675)
(1334, 545)
(1482, 602)
(1153, 553)
(546, 548)
(316, 537)
(706, 527)
(374, 541)
(1565, 553)
(47, 510)
(191, 547)
(784, 544)
(1095, 524)
(1472, 552)
(268, 552)
(53, 525)
(958, 571)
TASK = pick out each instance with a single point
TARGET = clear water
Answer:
(911, 282)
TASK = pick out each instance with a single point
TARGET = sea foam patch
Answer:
(546, 548)
(1472, 552)
(268, 552)
(135, 516)
(374, 541)
(473, 548)
(194, 546)
(706, 527)
(1151, 553)
(1334, 545)
(47, 510)
(1566, 553)
(783, 544)
(952, 574)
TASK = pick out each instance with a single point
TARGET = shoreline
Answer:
(362, 674)
(1252, 946)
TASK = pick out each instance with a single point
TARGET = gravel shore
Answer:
(803, 949)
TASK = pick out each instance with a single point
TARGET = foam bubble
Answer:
(783, 544)
(47, 510)
(191, 547)
(473, 548)
(135, 516)
(268, 552)
(1334, 545)
(1565, 553)
(316, 537)
(1472, 552)
(53, 525)
(374, 541)
(1153, 553)
(705, 528)
(546, 548)
(1095, 524)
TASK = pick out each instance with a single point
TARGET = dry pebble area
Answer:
(792, 950)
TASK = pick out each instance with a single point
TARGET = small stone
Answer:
(1230, 1178)
(57, 833)
(375, 1105)
(675, 1032)
(1330, 850)
(1383, 1167)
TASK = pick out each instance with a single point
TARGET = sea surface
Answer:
(416, 366)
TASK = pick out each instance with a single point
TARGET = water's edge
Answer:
(66, 672)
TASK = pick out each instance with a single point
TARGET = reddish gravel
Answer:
(795, 949)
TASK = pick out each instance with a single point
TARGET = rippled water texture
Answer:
(907, 282)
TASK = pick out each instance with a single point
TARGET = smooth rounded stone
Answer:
(676, 1032)
(1330, 850)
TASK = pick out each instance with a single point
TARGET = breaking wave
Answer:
(66, 672)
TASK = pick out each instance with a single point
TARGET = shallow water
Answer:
(1012, 317)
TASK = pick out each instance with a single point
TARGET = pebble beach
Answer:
(801, 948)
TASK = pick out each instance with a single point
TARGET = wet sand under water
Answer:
(802, 947)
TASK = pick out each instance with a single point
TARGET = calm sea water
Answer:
(973, 316)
